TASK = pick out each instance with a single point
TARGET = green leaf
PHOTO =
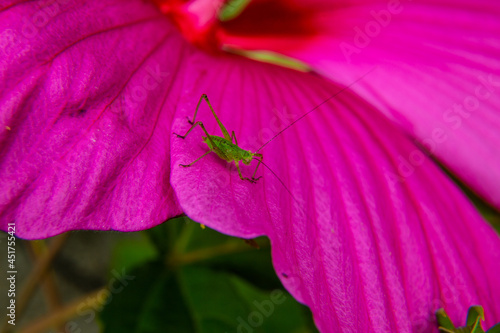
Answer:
(222, 302)
(147, 302)
(476, 326)
(494, 329)
(201, 281)
(198, 299)
(232, 9)
(474, 317)
(444, 321)
(165, 235)
(129, 252)
(165, 310)
(475, 312)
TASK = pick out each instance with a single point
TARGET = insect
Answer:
(229, 151)
(223, 146)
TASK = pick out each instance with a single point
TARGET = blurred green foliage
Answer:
(190, 279)
(473, 323)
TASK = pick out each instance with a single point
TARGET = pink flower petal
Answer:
(86, 93)
(438, 67)
(81, 147)
(367, 250)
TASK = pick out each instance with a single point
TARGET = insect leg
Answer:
(233, 137)
(214, 145)
(197, 107)
(241, 176)
(200, 123)
(259, 157)
(222, 128)
(196, 160)
(189, 130)
(193, 122)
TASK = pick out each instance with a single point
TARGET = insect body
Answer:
(223, 146)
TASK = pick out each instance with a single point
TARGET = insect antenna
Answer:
(295, 121)
(299, 205)
(315, 108)
(278, 178)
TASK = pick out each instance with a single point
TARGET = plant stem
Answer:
(208, 252)
(61, 315)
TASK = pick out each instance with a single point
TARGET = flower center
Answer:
(263, 30)
(196, 19)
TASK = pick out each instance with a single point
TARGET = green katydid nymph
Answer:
(231, 152)
(223, 146)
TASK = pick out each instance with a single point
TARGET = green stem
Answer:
(179, 259)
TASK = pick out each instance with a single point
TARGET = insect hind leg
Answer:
(196, 160)
(197, 107)
(260, 157)
(233, 138)
(190, 129)
(251, 180)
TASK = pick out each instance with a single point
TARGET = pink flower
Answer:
(376, 237)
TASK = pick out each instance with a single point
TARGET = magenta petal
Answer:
(83, 147)
(437, 68)
(367, 250)
(86, 96)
